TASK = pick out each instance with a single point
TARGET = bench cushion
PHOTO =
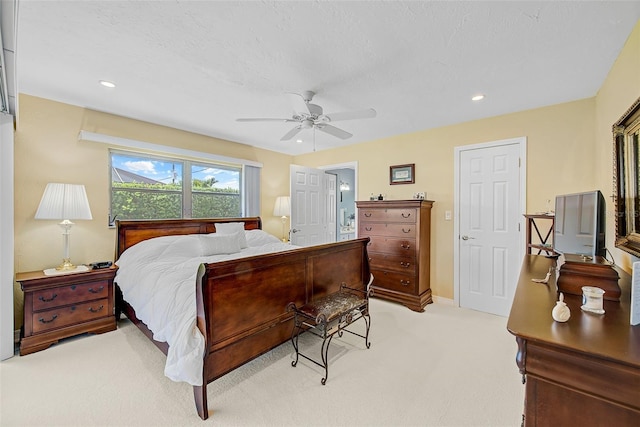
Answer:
(332, 306)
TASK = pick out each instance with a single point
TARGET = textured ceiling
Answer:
(199, 65)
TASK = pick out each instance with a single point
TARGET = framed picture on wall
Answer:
(402, 174)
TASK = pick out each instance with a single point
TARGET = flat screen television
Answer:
(580, 223)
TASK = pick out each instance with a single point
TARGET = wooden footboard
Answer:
(241, 304)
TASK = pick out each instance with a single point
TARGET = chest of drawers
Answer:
(61, 306)
(399, 249)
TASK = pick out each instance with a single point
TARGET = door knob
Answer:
(467, 237)
(293, 230)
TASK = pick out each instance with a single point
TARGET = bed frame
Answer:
(241, 304)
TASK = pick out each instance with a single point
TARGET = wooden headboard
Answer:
(131, 232)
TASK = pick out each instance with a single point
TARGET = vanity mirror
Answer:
(626, 175)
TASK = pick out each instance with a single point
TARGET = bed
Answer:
(240, 303)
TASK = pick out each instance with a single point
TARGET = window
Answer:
(148, 187)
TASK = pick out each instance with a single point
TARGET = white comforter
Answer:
(158, 279)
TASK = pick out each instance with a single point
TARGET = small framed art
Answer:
(402, 174)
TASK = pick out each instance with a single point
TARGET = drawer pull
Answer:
(405, 264)
(406, 231)
(73, 287)
(405, 215)
(93, 291)
(54, 317)
(368, 228)
(405, 282)
(405, 246)
(367, 214)
(43, 299)
(95, 310)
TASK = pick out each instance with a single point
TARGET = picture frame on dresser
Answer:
(402, 174)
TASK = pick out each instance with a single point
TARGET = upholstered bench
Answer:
(327, 316)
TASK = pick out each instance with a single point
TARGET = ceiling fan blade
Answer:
(293, 132)
(298, 103)
(352, 115)
(332, 130)
(264, 120)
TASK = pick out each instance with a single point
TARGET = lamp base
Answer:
(66, 265)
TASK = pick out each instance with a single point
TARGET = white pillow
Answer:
(232, 228)
(217, 244)
(260, 238)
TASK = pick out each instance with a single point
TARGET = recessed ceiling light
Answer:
(299, 141)
(477, 97)
(107, 83)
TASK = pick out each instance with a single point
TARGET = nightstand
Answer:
(65, 305)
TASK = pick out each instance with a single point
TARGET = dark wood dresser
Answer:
(399, 250)
(61, 306)
(584, 372)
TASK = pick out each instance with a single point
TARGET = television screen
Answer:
(579, 226)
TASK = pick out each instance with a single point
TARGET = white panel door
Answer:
(330, 206)
(308, 223)
(489, 236)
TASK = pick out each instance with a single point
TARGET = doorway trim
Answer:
(347, 165)
(522, 143)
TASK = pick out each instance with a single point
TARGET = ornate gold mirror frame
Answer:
(626, 179)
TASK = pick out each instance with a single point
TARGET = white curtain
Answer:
(251, 193)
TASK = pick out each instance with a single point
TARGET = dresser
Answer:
(399, 249)
(585, 372)
(65, 305)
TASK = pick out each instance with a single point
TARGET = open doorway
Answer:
(346, 196)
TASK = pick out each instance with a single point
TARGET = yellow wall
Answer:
(47, 150)
(569, 150)
(619, 90)
(560, 153)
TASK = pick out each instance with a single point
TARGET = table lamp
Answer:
(65, 202)
(283, 210)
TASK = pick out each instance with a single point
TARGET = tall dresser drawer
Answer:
(407, 215)
(70, 315)
(63, 295)
(392, 246)
(394, 281)
(387, 229)
(403, 264)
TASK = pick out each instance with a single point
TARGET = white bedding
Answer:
(158, 279)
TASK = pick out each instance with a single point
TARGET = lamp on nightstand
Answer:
(65, 202)
(283, 210)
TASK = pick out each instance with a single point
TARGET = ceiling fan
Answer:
(307, 115)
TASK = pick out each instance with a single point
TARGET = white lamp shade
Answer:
(64, 201)
(283, 206)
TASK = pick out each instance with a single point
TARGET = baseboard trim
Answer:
(443, 301)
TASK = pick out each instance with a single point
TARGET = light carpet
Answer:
(445, 367)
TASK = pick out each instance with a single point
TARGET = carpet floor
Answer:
(445, 367)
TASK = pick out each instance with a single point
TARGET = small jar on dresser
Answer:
(64, 305)
(399, 249)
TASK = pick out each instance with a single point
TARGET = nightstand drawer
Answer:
(70, 315)
(72, 294)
